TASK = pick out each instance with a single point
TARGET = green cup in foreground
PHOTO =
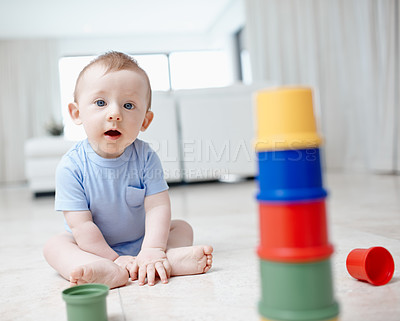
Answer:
(297, 292)
(86, 302)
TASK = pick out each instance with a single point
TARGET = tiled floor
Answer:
(364, 210)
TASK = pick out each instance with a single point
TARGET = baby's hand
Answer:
(125, 261)
(152, 260)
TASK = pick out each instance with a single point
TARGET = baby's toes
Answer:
(208, 249)
(207, 268)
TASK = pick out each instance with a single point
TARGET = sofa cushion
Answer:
(47, 146)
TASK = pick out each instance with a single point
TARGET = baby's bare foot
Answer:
(102, 271)
(190, 259)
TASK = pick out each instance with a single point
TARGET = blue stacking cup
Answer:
(290, 175)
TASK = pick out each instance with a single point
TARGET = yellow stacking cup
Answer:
(285, 119)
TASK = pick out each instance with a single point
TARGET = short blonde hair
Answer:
(115, 61)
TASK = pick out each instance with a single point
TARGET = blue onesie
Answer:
(112, 189)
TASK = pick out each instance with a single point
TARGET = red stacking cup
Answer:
(374, 265)
(293, 232)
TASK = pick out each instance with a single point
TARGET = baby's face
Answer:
(112, 108)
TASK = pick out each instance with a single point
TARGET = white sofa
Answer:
(217, 132)
(42, 155)
(199, 135)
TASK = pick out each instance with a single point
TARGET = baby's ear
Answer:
(148, 118)
(74, 113)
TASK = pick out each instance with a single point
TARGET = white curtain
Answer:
(29, 99)
(348, 50)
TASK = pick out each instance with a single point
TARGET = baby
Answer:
(112, 191)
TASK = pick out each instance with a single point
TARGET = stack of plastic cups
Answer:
(294, 251)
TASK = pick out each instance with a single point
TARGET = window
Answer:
(69, 68)
(245, 65)
(156, 67)
(242, 57)
(200, 69)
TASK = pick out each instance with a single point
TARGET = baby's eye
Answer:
(129, 106)
(100, 103)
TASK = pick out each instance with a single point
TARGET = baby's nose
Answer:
(114, 114)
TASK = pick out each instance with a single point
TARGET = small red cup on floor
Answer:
(374, 265)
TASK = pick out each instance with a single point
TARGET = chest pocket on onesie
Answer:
(135, 196)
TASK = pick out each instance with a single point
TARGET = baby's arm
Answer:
(87, 235)
(158, 220)
(152, 257)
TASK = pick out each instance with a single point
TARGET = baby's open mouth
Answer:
(112, 133)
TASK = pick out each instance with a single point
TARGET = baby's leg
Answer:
(180, 234)
(80, 267)
(185, 258)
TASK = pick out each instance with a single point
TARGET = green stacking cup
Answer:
(86, 302)
(297, 292)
